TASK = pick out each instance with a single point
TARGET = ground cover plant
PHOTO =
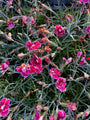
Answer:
(44, 61)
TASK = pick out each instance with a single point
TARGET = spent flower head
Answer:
(71, 105)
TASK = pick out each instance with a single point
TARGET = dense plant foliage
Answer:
(44, 61)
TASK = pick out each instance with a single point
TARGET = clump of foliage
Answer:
(44, 61)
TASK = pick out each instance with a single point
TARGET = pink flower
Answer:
(5, 65)
(37, 116)
(54, 73)
(19, 69)
(85, 114)
(60, 84)
(42, 118)
(51, 117)
(88, 58)
(71, 105)
(9, 2)
(85, 1)
(79, 53)
(33, 46)
(88, 31)
(83, 60)
(61, 115)
(25, 70)
(11, 24)
(32, 22)
(67, 60)
(24, 20)
(4, 107)
(59, 30)
(37, 63)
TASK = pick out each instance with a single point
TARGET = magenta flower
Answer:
(59, 30)
(88, 31)
(85, 1)
(24, 20)
(25, 70)
(61, 115)
(51, 117)
(60, 84)
(79, 53)
(67, 60)
(10, 24)
(5, 65)
(32, 22)
(71, 105)
(4, 107)
(33, 46)
(19, 69)
(37, 116)
(37, 63)
(84, 60)
(9, 2)
(54, 73)
(85, 114)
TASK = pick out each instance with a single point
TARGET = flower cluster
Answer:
(25, 70)
(37, 63)
(4, 107)
(45, 40)
(35, 66)
(60, 83)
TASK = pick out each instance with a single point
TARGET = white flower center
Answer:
(59, 30)
(2, 107)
